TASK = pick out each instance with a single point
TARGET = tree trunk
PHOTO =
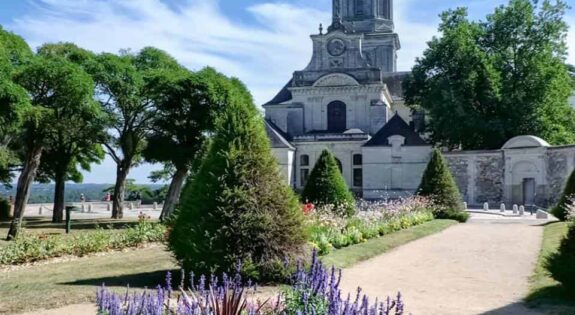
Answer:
(118, 198)
(23, 189)
(59, 193)
(174, 192)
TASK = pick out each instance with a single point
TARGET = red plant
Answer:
(308, 208)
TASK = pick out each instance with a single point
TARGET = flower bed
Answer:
(314, 290)
(374, 219)
(34, 247)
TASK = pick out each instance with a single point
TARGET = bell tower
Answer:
(361, 16)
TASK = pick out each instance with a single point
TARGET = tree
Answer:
(237, 207)
(77, 146)
(124, 88)
(14, 103)
(60, 92)
(504, 77)
(438, 184)
(326, 186)
(561, 209)
(186, 108)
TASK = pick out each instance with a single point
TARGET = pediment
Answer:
(336, 79)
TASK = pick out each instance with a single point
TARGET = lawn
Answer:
(546, 293)
(348, 256)
(58, 284)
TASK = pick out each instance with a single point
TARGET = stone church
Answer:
(349, 100)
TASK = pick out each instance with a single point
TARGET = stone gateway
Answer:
(349, 99)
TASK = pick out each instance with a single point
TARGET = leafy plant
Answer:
(560, 211)
(438, 184)
(237, 206)
(560, 264)
(326, 186)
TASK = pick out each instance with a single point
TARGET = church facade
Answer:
(349, 100)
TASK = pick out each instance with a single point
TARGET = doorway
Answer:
(529, 192)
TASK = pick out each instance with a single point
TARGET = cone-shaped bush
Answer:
(438, 184)
(560, 264)
(238, 208)
(560, 211)
(326, 186)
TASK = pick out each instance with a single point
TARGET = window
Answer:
(359, 7)
(304, 160)
(358, 177)
(357, 160)
(304, 176)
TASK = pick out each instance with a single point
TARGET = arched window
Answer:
(359, 7)
(336, 116)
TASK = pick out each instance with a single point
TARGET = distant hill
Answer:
(44, 193)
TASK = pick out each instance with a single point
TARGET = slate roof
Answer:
(283, 96)
(277, 137)
(396, 126)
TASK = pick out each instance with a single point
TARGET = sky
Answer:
(261, 42)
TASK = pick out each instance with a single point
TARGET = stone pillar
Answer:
(502, 208)
(486, 206)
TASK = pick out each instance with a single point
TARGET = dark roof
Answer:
(277, 137)
(283, 96)
(396, 126)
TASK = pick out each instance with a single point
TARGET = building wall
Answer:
(393, 171)
(285, 159)
(499, 176)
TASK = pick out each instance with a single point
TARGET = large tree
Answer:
(60, 92)
(79, 145)
(14, 103)
(186, 107)
(124, 88)
(483, 83)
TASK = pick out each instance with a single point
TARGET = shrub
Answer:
(438, 184)
(560, 210)
(315, 290)
(4, 210)
(326, 186)
(560, 264)
(35, 247)
(237, 207)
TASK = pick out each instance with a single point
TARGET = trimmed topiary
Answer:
(560, 210)
(438, 184)
(326, 186)
(560, 264)
(237, 208)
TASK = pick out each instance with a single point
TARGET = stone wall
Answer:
(489, 179)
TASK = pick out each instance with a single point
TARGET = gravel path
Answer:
(481, 267)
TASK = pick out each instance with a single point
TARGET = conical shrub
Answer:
(560, 210)
(438, 184)
(237, 208)
(326, 186)
(560, 264)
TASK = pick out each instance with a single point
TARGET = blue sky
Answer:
(259, 41)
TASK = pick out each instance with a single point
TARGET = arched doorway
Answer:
(336, 116)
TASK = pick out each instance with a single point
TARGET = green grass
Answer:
(58, 284)
(349, 256)
(546, 293)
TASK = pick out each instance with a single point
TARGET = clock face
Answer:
(336, 47)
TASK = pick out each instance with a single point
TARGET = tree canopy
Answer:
(485, 82)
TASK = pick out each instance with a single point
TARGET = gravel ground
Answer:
(481, 267)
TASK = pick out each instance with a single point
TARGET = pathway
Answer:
(481, 267)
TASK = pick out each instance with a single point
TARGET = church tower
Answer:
(364, 16)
